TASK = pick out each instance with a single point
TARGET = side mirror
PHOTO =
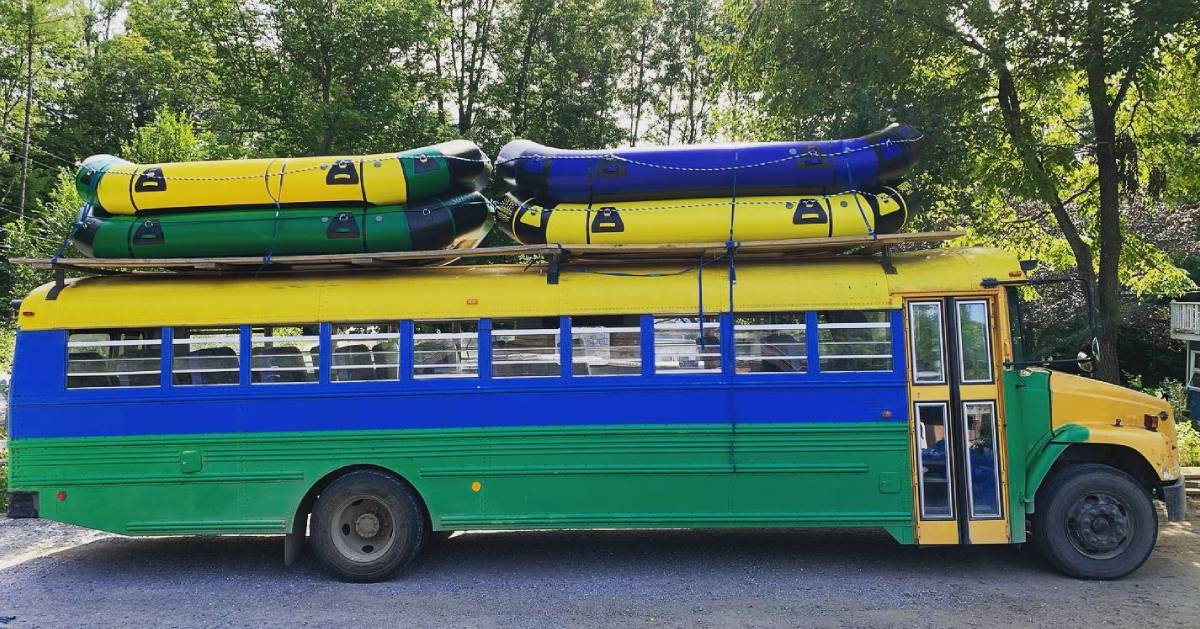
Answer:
(1085, 362)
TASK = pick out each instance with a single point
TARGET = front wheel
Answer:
(1095, 522)
(367, 525)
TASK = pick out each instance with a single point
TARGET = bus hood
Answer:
(1115, 415)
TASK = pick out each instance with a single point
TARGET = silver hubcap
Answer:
(364, 528)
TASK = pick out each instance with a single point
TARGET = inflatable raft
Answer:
(431, 223)
(121, 188)
(883, 210)
(551, 175)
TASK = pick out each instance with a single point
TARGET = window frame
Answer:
(483, 350)
(556, 332)
(889, 324)
(67, 345)
(947, 428)
(1192, 369)
(988, 337)
(328, 347)
(804, 327)
(717, 323)
(238, 355)
(943, 373)
(316, 371)
(996, 461)
(570, 355)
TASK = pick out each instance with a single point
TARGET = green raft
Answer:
(433, 223)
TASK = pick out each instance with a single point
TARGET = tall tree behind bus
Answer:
(1024, 102)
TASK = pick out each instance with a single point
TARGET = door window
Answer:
(983, 481)
(925, 319)
(974, 342)
(933, 466)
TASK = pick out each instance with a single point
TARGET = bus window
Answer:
(284, 354)
(365, 351)
(526, 347)
(974, 351)
(606, 345)
(855, 340)
(934, 466)
(925, 320)
(680, 348)
(205, 356)
(445, 349)
(984, 484)
(114, 358)
(770, 343)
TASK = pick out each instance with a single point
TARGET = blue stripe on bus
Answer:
(42, 407)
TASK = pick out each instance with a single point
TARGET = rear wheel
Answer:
(367, 525)
(1095, 522)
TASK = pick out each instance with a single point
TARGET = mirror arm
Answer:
(1039, 363)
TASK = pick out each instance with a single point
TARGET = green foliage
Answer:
(1175, 393)
(170, 137)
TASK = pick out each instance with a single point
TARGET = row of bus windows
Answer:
(521, 348)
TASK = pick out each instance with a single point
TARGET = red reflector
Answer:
(27, 313)
(62, 495)
(887, 414)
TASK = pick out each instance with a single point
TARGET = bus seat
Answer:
(94, 362)
(211, 358)
(358, 356)
(281, 363)
(786, 355)
(135, 359)
(383, 354)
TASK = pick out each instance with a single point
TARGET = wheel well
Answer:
(310, 498)
(1122, 458)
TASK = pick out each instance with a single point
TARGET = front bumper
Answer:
(1175, 495)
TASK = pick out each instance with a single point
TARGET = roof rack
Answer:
(554, 254)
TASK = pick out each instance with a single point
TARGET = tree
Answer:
(1021, 101)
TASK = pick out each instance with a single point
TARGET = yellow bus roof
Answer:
(839, 283)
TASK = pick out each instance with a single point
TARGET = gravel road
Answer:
(52, 575)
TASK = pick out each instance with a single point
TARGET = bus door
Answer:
(956, 437)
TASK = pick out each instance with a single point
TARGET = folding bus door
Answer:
(956, 435)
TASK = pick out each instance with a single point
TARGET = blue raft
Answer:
(552, 175)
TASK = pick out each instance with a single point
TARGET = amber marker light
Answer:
(472, 302)
(887, 414)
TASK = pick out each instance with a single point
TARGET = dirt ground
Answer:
(52, 575)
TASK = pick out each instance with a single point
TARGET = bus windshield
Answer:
(1050, 323)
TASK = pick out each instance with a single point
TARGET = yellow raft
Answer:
(120, 187)
(883, 210)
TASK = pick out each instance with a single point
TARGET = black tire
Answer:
(366, 526)
(1095, 522)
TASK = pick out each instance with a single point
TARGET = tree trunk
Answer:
(29, 32)
(1104, 127)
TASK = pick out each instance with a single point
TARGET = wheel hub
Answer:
(367, 525)
(1099, 526)
(365, 528)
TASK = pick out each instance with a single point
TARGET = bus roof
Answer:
(837, 283)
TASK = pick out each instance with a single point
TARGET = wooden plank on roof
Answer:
(642, 252)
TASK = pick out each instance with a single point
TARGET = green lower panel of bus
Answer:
(787, 475)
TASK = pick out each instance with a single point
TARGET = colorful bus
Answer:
(362, 412)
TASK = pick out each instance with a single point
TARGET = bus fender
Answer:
(1039, 466)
